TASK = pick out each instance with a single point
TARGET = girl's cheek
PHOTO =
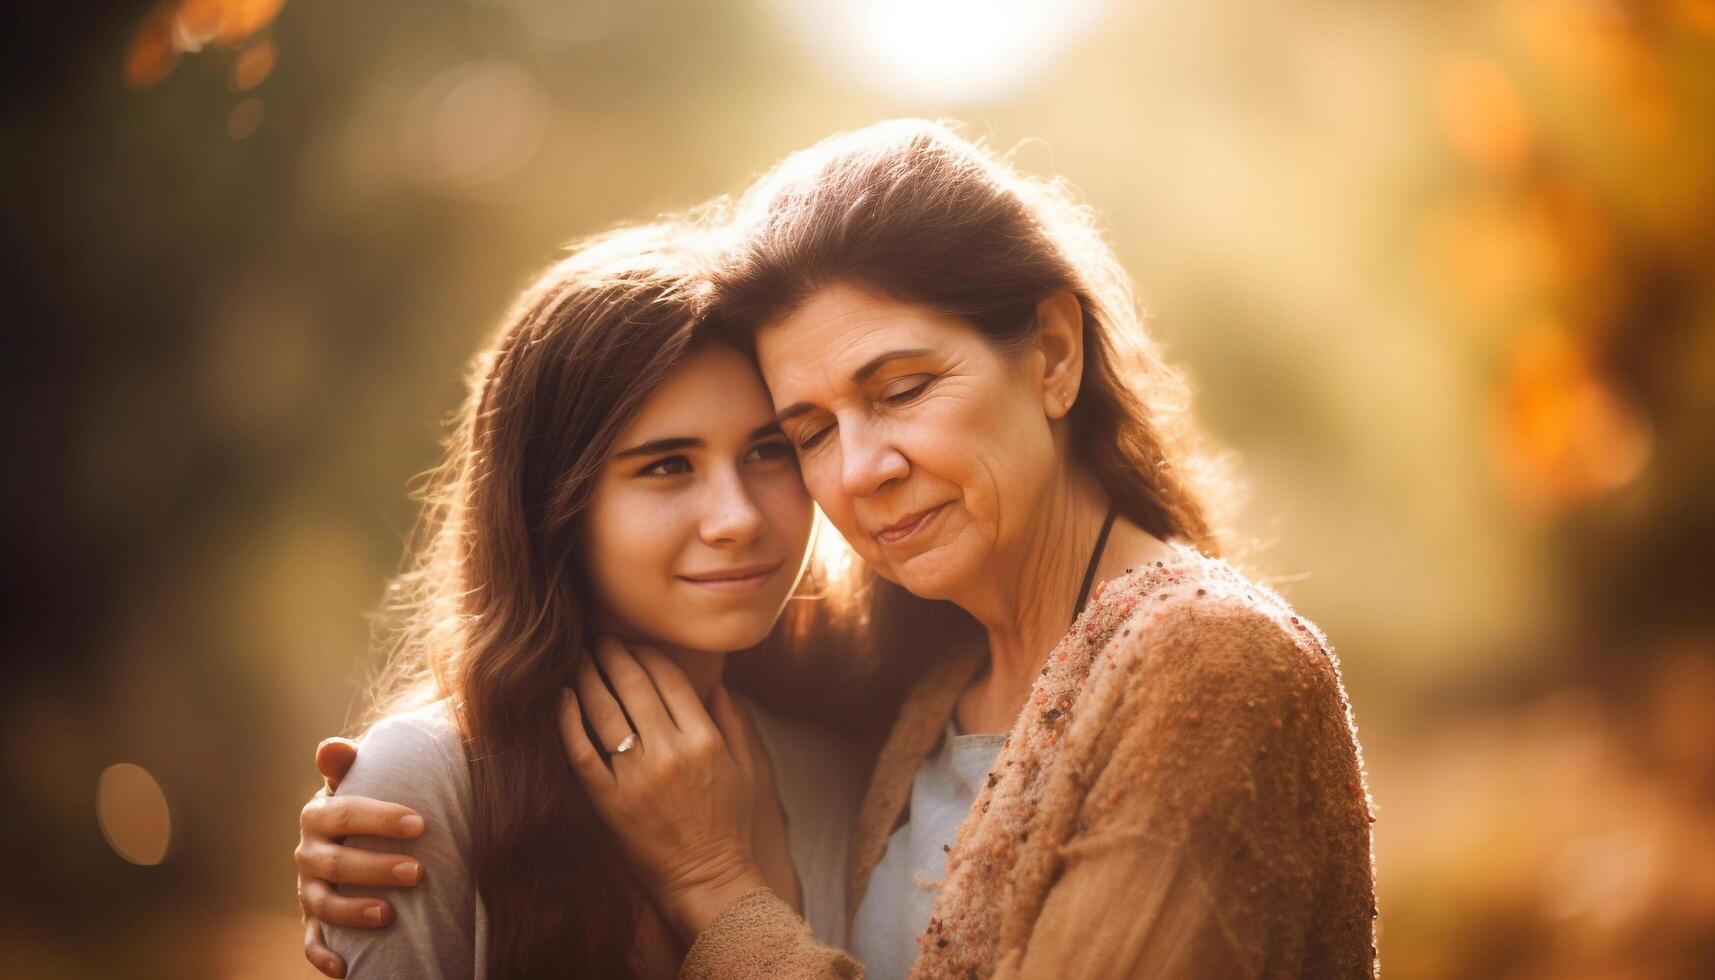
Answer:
(786, 504)
(644, 528)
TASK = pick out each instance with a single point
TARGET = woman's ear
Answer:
(1060, 338)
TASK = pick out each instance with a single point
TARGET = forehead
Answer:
(841, 328)
(715, 393)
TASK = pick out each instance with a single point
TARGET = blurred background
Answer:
(1443, 274)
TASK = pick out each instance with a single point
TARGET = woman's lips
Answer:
(905, 528)
(734, 579)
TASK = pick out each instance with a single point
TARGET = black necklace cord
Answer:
(1095, 559)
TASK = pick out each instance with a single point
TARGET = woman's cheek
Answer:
(823, 483)
(828, 494)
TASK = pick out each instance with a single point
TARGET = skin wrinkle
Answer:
(1017, 654)
(1015, 546)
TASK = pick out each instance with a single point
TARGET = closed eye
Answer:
(908, 390)
(814, 439)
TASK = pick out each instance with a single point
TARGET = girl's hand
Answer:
(323, 862)
(678, 801)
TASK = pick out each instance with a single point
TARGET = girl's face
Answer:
(698, 527)
(930, 450)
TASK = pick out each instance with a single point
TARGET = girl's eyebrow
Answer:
(676, 443)
(655, 446)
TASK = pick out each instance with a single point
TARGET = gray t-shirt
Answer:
(901, 892)
(440, 929)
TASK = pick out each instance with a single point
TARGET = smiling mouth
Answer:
(903, 529)
(734, 579)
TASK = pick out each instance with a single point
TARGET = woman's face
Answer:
(929, 449)
(697, 530)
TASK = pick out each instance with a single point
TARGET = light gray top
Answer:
(440, 929)
(896, 905)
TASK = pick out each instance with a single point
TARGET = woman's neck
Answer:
(1028, 608)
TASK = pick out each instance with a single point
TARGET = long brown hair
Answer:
(490, 614)
(913, 211)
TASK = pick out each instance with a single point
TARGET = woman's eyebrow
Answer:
(859, 376)
(874, 364)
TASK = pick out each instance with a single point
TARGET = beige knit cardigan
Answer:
(1182, 795)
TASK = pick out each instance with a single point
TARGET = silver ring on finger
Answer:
(626, 744)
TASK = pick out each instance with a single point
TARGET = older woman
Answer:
(1169, 786)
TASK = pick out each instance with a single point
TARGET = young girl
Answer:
(613, 476)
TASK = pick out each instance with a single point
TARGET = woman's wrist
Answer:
(690, 908)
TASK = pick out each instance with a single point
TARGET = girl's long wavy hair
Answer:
(490, 613)
(914, 212)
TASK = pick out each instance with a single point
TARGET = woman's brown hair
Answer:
(912, 211)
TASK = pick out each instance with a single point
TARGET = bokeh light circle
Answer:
(133, 812)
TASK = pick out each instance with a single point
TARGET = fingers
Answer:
(317, 952)
(334, 757)
(586, 761)
(635, 690)
(598, 705)
(341, 865)
(320, 900)
(734, 730)
(339, 816)
(676, 692)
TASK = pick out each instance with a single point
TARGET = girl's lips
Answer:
(903, 530)
(735, 579)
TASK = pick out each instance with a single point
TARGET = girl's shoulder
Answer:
(430, 728)
(414, 757)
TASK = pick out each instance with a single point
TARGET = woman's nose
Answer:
(868, 460)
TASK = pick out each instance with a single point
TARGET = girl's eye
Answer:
(773, 449)
(668, 466)
(906, 390)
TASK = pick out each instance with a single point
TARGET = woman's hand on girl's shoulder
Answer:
(676, 790)
(324, 861)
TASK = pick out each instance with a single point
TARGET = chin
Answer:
(937, 575)
(727, 633)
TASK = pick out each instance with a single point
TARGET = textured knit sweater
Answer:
(1181, 796)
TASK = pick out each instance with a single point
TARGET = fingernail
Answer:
(372, 913)
(411, 824)
(406, 871)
